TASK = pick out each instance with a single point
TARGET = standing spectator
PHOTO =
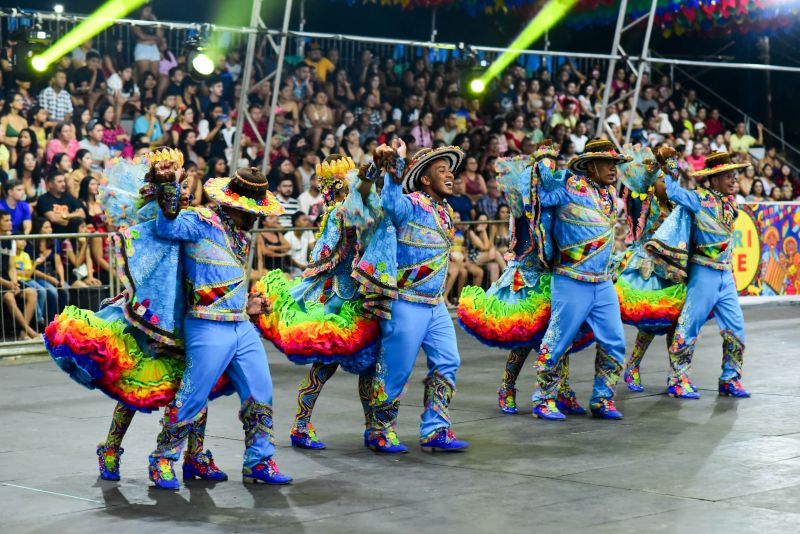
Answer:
(490, 202)
(94, 144)
(15, 205)
(285, 195)
(13, 121)
(59, 207)
(63, 141)
(146, 53)
(741, 141)
(10, 286)
(311, 201)
(300, 242)
(56, 99)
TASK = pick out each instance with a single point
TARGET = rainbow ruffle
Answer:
(497, 323)
(348, 337)
(654, 311)
(99, 353)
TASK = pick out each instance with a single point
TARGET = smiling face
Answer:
(437, 180)
(724, 183)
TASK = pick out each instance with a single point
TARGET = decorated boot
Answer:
(567, 403)
(547, 409)
(507, 400)
(443, 440)
(265, 472)
(605, 409)
(381, 437)
(732, 388)
(732, 359)
(682, 388)
(162, 474)
(202, 466)
(168, 448)
(108, 457)
(305, 438)
(633, 379)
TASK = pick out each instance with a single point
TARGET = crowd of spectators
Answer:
(98, 105)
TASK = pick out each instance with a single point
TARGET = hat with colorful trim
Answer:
(594, 150)
(247, 190)
(546, 149)
(716, 163)
(423, 157)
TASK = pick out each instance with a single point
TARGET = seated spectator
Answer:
(114, 135)
(489, 203)
(579, 137)
(474, 183)
(314, 59)
(776, 195)
(285, 196)
(272, 247)
(785, 176)
(149, 124)
(460, 202)
(148, 85)
(38, 122)
(254, 138)
(123, 91)
(63, 141)
(697, 159)
(28, 171)
(167, 112)
(300, 243)
(741, 141)
(757, 192)
(46, 293)
(80, 120)
(10, 287)
(187, 143)
(499, 233)
(76, 257)
(94, 144)
(81, 169)
(327, 145)
(99, 247)
(282, 169)
(88, 83)
(351, 146)
(311, 201)
(746, 180)
(787, 189)
(56, 99)
(423, 136)
(317, 116)
(714, 126)
(185, 121)
(27, 142)
(12, 121)
(340, 93)
(59, 207)
(15, 205)
(305, 168)
(481, 249)
(514, 132)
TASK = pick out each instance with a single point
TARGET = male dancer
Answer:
(406, 262)
(582, 289)
(706, 222)
(218, 332)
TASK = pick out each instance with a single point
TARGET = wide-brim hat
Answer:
(594, 150)
(716, 163)
(247, 190)
(423, 157)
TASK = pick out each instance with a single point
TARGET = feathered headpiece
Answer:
(546, 149)
(332, 175)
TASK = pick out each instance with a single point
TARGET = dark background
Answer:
(746, 89)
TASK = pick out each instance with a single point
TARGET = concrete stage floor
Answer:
(710, 465)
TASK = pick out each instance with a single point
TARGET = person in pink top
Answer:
(697, 158)
(63, 141)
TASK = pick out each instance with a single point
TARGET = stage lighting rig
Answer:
(200, 63)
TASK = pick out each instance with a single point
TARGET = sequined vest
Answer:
(712, 230)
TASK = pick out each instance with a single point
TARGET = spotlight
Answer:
(39, 64)
(201, 66)
(58, 8)
(477, 86)
(30, 65)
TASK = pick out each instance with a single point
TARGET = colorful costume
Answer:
(218, 332)
(514, 312)
(582, 289)
(132, 349)
(320, 318)
(649, 300)
(697, 237)
(402, 273)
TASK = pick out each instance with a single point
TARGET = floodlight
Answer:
(477, 85)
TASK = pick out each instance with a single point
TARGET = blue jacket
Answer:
(215, 276)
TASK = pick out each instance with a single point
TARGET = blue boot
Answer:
(306, 438)
(108, 460)
(507, 400)
(385, 441)
(633, 379)
(265, 472)
(732, 388)
(567, 403)
(162, 474)
(547, 409)
(202, 466)
(443, 440)
(684, 389)
(605, 409)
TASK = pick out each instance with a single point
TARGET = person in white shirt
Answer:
(300, 243)
(579, 137)
(311, 201)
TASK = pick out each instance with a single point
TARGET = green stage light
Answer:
(203, 64)
(97, 22)
(477, 85)
(548, 16)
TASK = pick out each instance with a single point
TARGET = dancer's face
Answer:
(437, 179)
(724, 183)
(602, 171)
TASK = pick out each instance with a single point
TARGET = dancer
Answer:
(581, 284)
(700, 233)
(217, 325)
(649, 300)
(120, 350)
(402, 274)
(320, 318)
(514, 312)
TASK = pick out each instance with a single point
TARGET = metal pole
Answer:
(276, 87)
(612, 65)
(433, 25)
(255, 15)
(642, 64)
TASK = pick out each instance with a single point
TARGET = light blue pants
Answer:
(709, 290)
(46, 298)
(572, 303)
(413, 326)
(213, 347)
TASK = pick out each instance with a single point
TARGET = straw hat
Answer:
(423, 157)
(594, 150)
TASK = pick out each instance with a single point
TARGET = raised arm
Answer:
(682, 197)
(551, 189)
(395, 204)
(185, 227)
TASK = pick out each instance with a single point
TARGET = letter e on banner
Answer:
(746, 250)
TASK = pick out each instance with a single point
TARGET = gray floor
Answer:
(712, 465)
